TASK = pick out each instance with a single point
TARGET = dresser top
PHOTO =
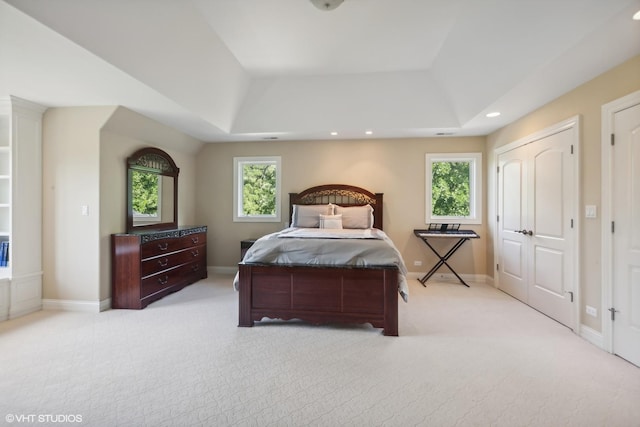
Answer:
(150, 235)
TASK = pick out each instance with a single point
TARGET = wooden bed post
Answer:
(244, 285)
(390, 302)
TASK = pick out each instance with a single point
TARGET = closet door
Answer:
(550, 219)
(536, 199)
(512, 208)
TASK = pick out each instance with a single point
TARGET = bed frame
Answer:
(323, 294)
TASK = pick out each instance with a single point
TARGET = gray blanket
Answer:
(313, 246)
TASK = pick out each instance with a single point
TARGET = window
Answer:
(454, 188)
(256, 183)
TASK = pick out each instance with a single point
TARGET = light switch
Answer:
(85, 210)
(590, 211)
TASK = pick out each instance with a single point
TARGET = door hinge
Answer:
(613, 139)
(613, 313)
(571, 148)
(497, 169)
(498, 267)
(571, 222)
(613, 226)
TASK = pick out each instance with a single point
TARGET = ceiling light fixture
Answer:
(334, 133)
(326, 4)
(636, 16)
(494, 114)
(369, 132)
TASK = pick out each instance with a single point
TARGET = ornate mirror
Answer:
(152, 190)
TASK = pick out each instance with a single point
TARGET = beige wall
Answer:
(84, 153)
(393, 167)
(586, 101)
(71, 175)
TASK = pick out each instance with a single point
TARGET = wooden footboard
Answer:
(319, 295)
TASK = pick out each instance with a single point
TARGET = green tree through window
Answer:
(450, 188)
(256, 182)
(453, 192)
(259, 189)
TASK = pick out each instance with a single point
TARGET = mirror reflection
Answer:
(152, 198)
(152, 190)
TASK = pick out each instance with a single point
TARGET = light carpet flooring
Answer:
(465, 357)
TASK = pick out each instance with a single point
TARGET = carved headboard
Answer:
(339, 194)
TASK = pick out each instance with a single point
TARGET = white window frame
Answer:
(238, 179)
(475, 187)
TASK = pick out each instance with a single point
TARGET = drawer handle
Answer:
(195, 253)
(163, 246)
(194, 240)
(163, 280)
(163, 262)
(195, 267)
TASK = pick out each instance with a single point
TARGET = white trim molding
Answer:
(591, 335)
(72, 305)
(608, 112)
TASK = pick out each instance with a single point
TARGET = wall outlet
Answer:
(417, 263)
(592, 311)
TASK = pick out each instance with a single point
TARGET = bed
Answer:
(316, 288)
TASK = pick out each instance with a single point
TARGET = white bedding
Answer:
(331, 247)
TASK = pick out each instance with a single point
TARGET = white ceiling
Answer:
(237, 70)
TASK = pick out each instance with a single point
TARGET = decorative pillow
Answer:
(330, 221)
(308, 216)
(356, 216)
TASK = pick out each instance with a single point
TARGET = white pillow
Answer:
(331, 221)
(308, 216)
(355, 216)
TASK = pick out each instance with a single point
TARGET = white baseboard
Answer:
(105, 304)
(593, 336)
(73, 305)
(449, 277)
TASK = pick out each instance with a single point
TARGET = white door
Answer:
(536, 231)
(550, 227)
(626, 235)
(512, 259)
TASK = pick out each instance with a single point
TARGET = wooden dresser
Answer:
(148, 265)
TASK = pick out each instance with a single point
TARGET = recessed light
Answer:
(334, 133)
(636, 16)
(369, 132)
(493, 114)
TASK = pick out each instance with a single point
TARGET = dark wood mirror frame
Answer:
(155, 161)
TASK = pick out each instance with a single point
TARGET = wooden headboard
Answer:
(339, 194)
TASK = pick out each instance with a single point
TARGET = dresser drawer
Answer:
(168, 278)
(171, 244)
(164, 262)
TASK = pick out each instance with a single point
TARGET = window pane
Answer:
(450, 188)
(256, 195)
(259, 189)
(453, 188)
